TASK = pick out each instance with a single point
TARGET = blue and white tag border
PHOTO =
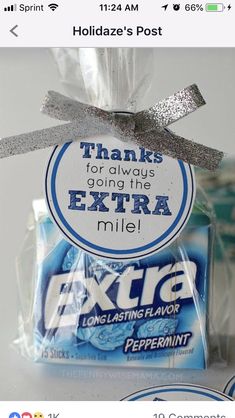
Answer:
(203, 391)
(229, 389)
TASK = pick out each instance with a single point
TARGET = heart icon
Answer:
(26, 415)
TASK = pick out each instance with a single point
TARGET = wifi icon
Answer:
(53, 6)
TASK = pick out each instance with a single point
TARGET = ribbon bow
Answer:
(146, 128)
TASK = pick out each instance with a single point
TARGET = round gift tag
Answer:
(178, 392)
(230, 387)
(118, 200)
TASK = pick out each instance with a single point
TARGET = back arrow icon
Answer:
(12, 30)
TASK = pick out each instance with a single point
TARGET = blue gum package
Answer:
(151, 312)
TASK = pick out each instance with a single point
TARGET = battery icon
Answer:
(215, 7)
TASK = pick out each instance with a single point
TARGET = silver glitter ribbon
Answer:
(146, 128)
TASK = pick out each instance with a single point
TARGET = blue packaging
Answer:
(150, 313)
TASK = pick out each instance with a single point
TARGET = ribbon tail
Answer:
(169, 110)
(59, 135)
(180, 148)
(44, 138)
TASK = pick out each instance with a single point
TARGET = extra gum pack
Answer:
(149, 312)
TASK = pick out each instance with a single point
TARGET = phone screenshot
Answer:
(117, 208)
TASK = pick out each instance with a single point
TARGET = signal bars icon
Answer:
(11, 8)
